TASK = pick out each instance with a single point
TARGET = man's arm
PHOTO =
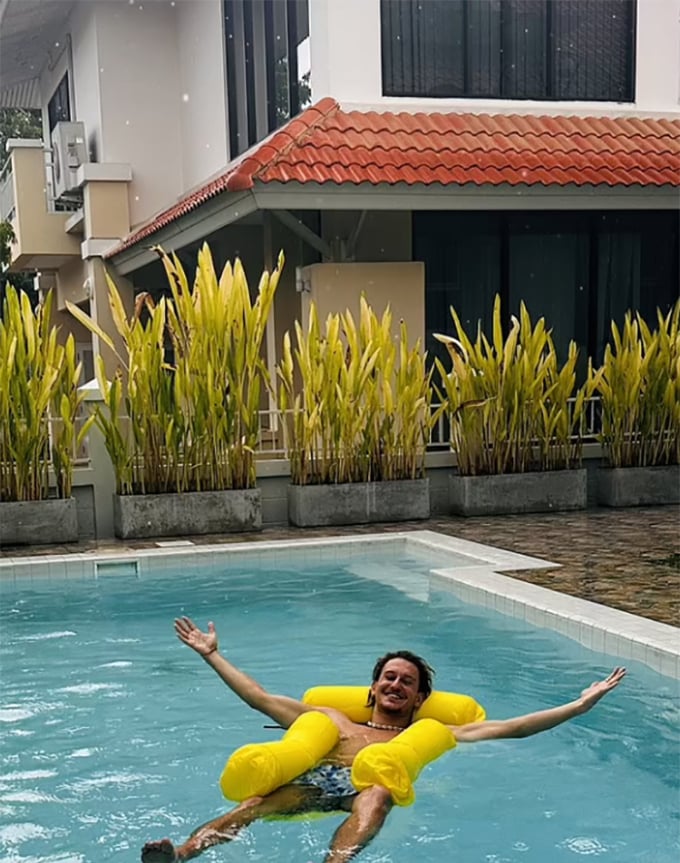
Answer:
(282, 709)
(543, 720)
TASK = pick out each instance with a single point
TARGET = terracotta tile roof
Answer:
(328, 145)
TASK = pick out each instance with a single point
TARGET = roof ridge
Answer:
(244, 175)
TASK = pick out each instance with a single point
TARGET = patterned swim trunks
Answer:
(333, 780)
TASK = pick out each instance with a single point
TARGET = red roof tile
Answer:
(328, 145)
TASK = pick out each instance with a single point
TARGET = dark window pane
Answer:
(517, 49)
(423, 47)
(59, 108)
(483, 49)
(524, 49)
(592, 49)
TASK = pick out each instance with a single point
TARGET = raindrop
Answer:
(136, 197)
(101, 69)
(127, 122)
(56, 44)
(207, 146)
(185, 97)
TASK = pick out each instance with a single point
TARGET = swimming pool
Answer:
(114, 733)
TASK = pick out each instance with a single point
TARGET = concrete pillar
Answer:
(101, 469)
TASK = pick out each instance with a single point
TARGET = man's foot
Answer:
(159, 852)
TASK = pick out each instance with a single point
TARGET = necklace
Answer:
(380, 727)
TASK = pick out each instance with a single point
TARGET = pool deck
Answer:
(626, 559)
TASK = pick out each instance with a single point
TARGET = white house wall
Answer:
(202, 112)
(140, 100)
(345, 46)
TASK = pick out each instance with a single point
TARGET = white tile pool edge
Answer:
(595, 626)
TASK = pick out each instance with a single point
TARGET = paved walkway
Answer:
(627, 559)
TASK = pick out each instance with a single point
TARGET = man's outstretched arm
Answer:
(282, 709)
(543, 720)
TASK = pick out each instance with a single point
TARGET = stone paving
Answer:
(627, 559)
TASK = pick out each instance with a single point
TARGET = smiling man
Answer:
(401, 681)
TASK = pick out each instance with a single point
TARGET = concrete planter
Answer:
(38, 522)
(139, 516)
(638, 486)
(358, 502)
(504, 494)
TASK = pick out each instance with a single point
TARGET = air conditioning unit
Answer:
(69, 152)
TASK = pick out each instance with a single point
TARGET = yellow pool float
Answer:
(257, 769)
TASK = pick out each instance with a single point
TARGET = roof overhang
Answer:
(221, 211)
(28, 30)
(228, 208)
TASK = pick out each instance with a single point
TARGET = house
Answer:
(428, 153)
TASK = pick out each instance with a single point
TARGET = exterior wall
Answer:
(84, 74)
(202, 110)
(140, 100)
(106, 209)
(70, 285)
(41, 238)
(336, 287)
(346, 64)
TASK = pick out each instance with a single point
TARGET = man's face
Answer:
(396, 690)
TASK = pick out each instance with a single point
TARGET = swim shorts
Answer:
(333, 780)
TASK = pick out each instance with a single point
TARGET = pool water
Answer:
(114, 733)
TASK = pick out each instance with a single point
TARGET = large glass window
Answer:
(509, 49)
(268, 67)
(579, 270)
(59, 106)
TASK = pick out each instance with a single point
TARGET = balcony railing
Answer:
(271, 438)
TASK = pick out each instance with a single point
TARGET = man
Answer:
(401, 682)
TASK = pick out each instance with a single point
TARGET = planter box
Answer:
(358, 502)
(38, 522)
(139, 516)
(638, 486)
(504, 494)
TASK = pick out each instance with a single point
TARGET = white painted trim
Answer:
(97, 248)
(90, 172)
(527, 107)
(329, 196)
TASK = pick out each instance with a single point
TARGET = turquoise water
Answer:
(114, 733)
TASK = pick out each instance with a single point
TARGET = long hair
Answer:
(425, 672)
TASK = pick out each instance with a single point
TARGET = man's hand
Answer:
(591, 695)
(202, 642)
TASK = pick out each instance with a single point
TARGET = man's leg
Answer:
(369, 810)
(284, 801)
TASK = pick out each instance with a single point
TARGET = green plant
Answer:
(38, 383)
(639, 388)
(190, 424)
(363, 410)
(511, 407)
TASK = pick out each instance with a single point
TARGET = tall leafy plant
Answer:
(512, 407)
(362, 411)
(639, 388)
(182, 412)
(38, 394)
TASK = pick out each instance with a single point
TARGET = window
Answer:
(59, 106)
(509, 49)
(580, 270)
(268, 67)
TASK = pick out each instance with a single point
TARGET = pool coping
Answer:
(595, 626)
